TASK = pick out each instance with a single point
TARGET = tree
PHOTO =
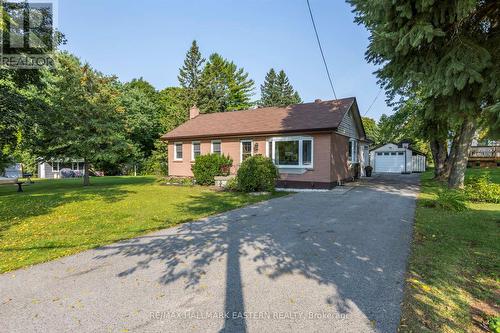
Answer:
(224, 86)
(448, 51)
(84, 119)
(371, 129)
(141, 110)
(174, 110)
(190, 73)
(277, 90)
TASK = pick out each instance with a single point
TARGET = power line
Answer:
(321, 49)
(373, 102)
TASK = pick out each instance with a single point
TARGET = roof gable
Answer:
(351, 124)
(320, 115)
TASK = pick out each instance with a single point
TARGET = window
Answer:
(55, 166)
(216, 147)
(353, 151)
(379, 154)
(400, 153)
(306, 152)
(287, 153)
(245, 149)
(393, 154)
(291, 152)
(195, 150)
(178, 151)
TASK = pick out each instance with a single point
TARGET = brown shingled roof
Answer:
(320, 115)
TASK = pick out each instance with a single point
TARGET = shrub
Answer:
(206, 167)
(257, 173)
(481, 189)
(232, 185)
(453, 200)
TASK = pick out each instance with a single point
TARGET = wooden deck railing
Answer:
(485, 152)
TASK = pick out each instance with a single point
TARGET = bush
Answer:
(156, 164)
(207, 167)
(257, 173)
(453, 200)
(232, 185)
(481, 189)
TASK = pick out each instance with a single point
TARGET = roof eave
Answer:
(240, 134)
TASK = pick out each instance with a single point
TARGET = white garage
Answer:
(396, 158)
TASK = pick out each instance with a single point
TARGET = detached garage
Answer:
(397, 158)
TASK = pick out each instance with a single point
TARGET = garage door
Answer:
(389, 162)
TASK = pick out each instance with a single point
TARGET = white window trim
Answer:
(355, 150)
(212, 146)
(175, 151)
(192, 149)
(292, 138)
(241, 148)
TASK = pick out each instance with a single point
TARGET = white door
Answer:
(389, 161)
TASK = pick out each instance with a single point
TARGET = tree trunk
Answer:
(440, 156)
(460, 153)
(86, 175)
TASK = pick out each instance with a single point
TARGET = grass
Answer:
(54, 218)
(453, 275)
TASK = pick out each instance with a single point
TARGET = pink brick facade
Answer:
(330, 163)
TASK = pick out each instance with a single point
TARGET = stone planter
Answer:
(221, 181)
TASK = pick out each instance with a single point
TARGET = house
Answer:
(397, 158)
(314, 145)
(13, 171)
(484, 154)
(51, 169)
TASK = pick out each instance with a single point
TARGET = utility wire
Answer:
(373, 102)
(321, 49)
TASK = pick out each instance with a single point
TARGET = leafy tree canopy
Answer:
(84, 119)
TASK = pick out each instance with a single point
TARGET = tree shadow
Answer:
(350, 255)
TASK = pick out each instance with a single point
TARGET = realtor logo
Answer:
(27, 33)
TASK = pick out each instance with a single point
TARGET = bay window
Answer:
(291, 152)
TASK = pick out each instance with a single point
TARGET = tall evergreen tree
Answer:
(269, 92)
(190, 73)
(277, 90)
(449, 52)
(224, 86)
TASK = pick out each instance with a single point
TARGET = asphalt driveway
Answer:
(310, 262)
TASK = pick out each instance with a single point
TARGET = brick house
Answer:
(314, 145)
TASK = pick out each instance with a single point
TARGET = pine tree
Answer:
(224, 86)
(446, 50)
(277, 90)
(269, 94)
(190, 73)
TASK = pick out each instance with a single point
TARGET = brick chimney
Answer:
(194, 112)
(317, 101)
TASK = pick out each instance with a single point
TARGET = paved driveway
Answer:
(310, 262)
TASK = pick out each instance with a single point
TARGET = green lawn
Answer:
(453, 275)
(54, 218)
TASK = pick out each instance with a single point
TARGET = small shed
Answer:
(397, 158)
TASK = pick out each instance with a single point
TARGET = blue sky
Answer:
(150, 38)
